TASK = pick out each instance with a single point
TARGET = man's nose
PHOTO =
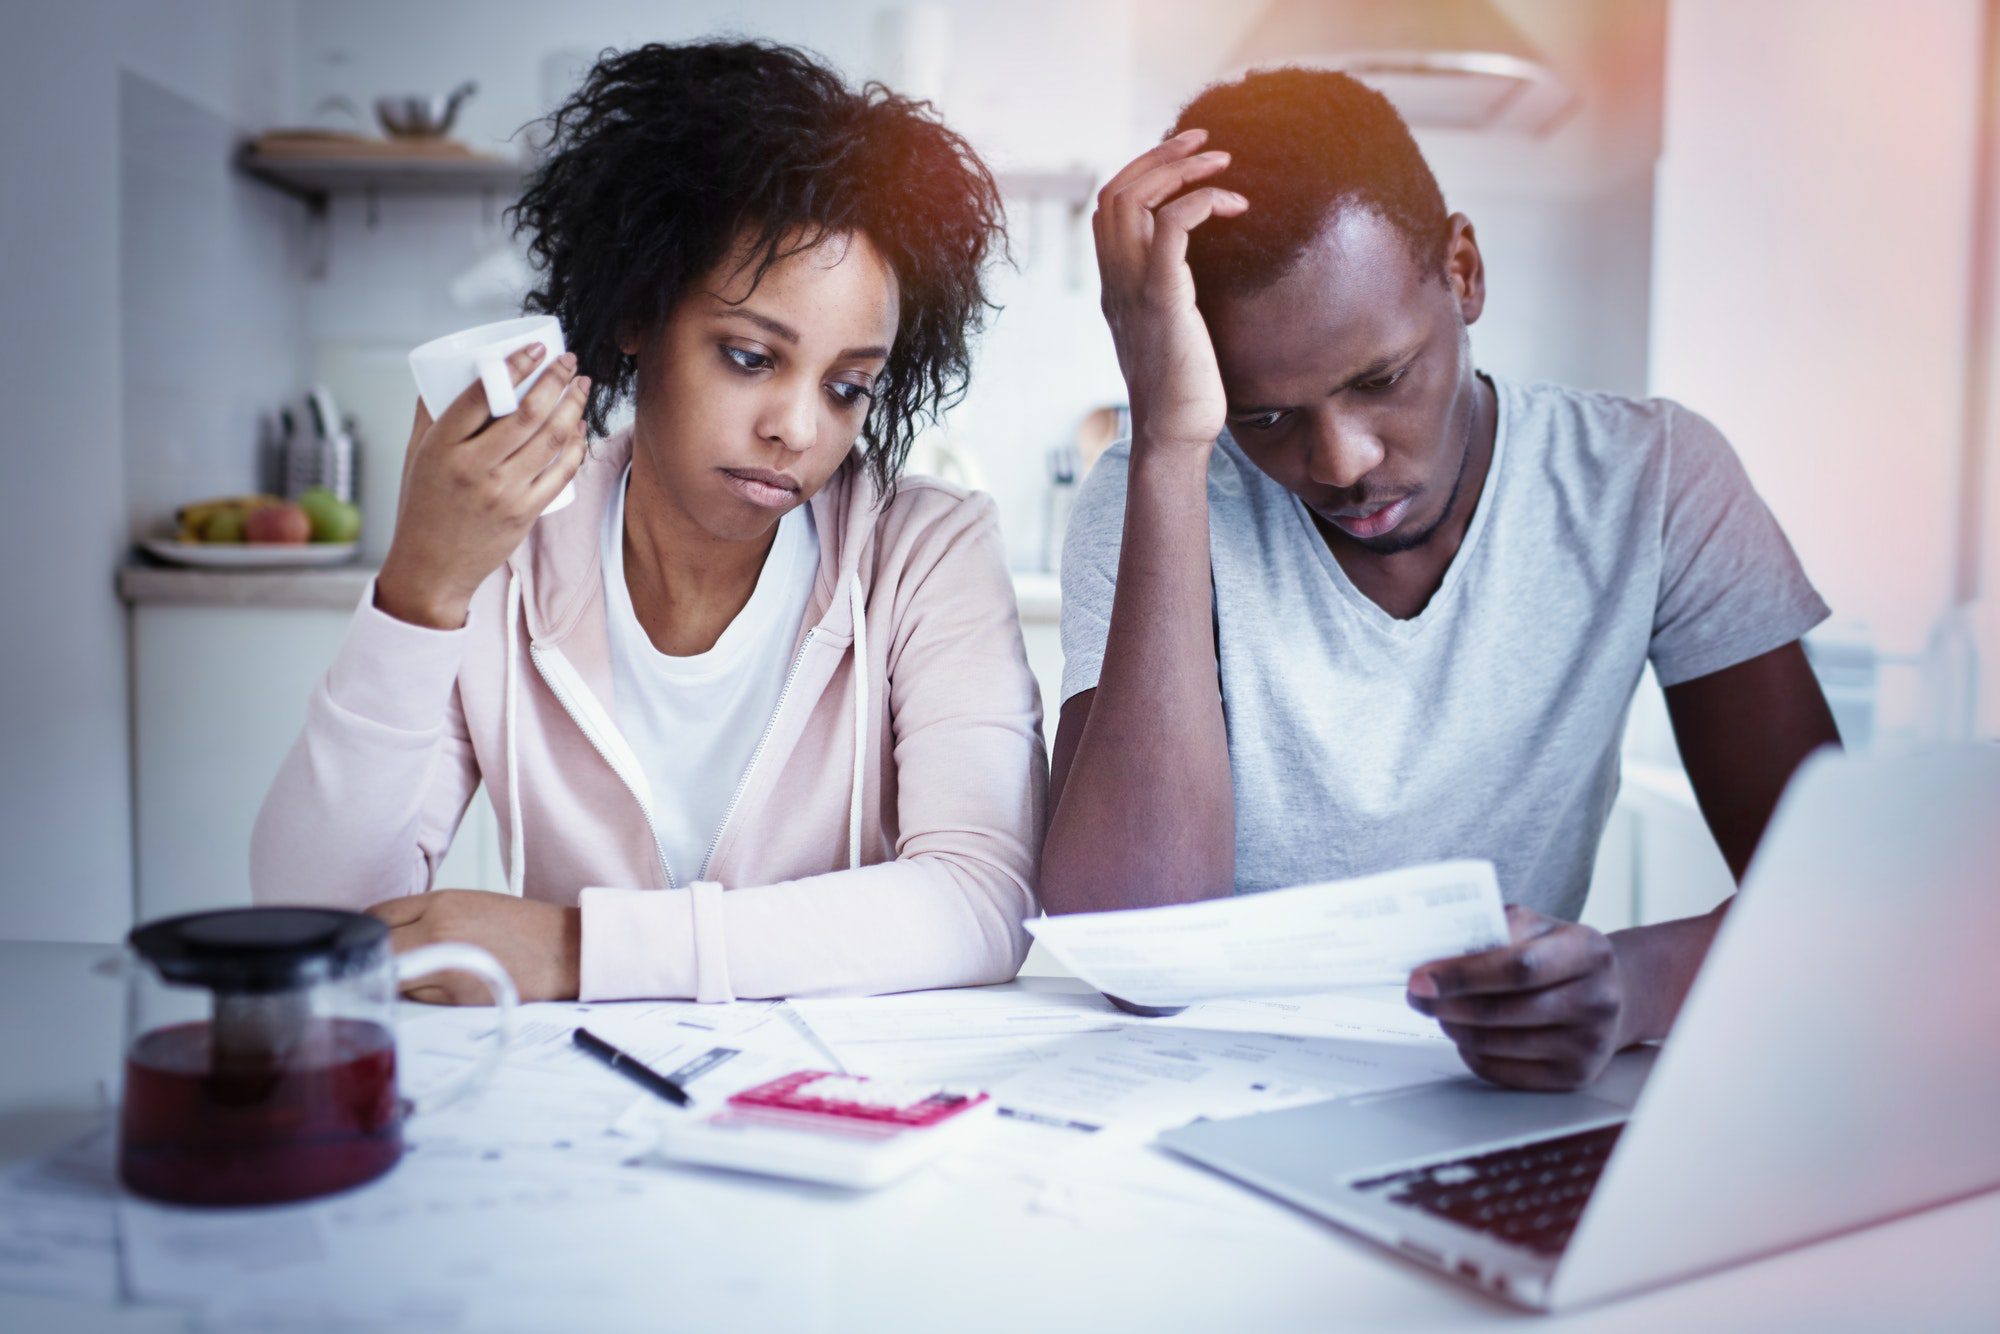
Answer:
(1342, 453)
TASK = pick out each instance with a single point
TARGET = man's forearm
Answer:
(1659, 964)
(1145, 814)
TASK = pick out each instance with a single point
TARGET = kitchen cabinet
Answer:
(223, 664)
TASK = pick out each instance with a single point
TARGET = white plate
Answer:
(249, 555)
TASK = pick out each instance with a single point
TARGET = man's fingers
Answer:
(1538, 956)
(1581, 1001)
(1163, 182)
(400, 911)
(1172, 223)
(1549, 1042)
(1185, 144)
(1540, 1076)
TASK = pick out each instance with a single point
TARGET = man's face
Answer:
(1349, 379)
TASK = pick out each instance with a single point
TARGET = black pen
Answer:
(631, 1067)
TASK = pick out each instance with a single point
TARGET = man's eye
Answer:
(1382, 383)
(748, 360)
(1263, 421)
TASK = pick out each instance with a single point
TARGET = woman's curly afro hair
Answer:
(667, 157)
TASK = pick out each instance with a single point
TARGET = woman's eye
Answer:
(849, 394)
(1263, 421)
(745, 358)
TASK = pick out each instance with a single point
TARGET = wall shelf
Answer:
(371, 171)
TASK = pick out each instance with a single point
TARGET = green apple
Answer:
(333, 519)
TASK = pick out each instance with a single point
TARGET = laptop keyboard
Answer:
(1531, 1195)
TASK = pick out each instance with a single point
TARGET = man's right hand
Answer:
(474, 484)
(1143, 218)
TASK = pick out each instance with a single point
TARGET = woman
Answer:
(757, 719)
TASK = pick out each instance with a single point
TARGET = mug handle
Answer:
(454, 955)
(501, 400)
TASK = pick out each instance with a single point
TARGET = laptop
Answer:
(1837, 1063)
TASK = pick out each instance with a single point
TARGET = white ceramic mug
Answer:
(444, 366)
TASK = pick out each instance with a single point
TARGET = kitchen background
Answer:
(1781, 212)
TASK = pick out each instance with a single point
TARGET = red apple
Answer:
(279, 524)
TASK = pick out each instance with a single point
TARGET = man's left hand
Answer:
(1545, 1011)
(539, 944)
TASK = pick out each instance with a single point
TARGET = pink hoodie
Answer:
(884, 837)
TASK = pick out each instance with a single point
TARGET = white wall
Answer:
(65, 808)
(1034, 84)
(1812, 234)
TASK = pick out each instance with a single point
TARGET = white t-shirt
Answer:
(695, 722)
(1610, 533)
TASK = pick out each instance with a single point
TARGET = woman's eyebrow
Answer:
(779, 329)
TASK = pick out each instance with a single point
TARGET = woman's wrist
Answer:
(417, 605)
(410, 601)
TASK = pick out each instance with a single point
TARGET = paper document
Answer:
(1369, 931)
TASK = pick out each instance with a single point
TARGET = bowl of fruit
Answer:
(261, 531)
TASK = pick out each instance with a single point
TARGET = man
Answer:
(1343, 603)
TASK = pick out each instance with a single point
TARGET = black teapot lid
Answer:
(261, 949)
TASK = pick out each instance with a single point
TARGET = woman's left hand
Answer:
(539, 944)
(1545, 1011)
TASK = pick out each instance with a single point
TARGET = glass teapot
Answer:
(260, 1053)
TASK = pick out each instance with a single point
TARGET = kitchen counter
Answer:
(339, 588)
(326, 587)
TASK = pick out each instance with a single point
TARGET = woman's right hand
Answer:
(1143, 218)
(474, 484)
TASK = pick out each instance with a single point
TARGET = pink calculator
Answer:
(816, 1125)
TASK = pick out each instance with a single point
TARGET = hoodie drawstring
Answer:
(517, 842)
(517, 869)
(855, 603)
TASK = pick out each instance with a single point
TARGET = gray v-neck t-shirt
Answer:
(1610, 532)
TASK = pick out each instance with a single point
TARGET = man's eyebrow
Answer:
(779, 329)
(1373, 370)
(1379, 367)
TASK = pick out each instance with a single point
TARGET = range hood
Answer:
(1445, 64)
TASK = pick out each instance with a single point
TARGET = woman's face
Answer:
(748, 400)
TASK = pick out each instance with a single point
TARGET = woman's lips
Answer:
(1376, 522)
(760, 486)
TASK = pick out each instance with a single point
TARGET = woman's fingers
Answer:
(552, 479)
(468, 412)
(556, 430)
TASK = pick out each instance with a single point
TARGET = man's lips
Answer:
(762, 486)
(1370, 523)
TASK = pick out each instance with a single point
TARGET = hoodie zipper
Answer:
(770, 726)
(590, 735)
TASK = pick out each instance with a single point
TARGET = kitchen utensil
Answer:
(422, 117)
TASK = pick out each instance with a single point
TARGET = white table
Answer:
(917, 1259)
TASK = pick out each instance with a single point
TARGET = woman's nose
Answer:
(790, 419)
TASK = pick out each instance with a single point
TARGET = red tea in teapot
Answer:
(208, 1121)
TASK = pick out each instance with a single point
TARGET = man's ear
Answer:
(1464, 269)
